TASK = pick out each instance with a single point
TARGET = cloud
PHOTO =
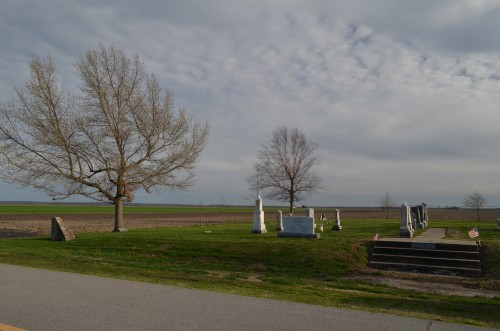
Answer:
(396, 98)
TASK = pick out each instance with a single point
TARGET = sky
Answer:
(401, 96)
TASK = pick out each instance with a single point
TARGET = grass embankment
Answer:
(230, 259)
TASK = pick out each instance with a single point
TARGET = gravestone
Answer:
(425, 215)
(59, 231)
(310, 212)
(279, 221)
(417, 217)
(337, 226)
(258, 218)
(420, 216)
(498, 223)
(406, 228)
(412, 220)
(298, 226)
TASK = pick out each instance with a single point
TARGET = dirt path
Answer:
(16, 225)
(447, 285)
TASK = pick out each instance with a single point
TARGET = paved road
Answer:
(35, 299)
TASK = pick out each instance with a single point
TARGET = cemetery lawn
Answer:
(228, 258)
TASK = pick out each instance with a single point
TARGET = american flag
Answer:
(375, 237)
(473, 233)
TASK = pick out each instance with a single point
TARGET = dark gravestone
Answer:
(420, 213)
(59, 232)
(417, 214)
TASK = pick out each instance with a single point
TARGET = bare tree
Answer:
(283, 170)
(475, 201)
(117, 135)
(253, 188)
(386, 202)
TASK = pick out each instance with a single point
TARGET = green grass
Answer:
(230, 259)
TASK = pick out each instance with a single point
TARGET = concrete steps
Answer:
(420, 255)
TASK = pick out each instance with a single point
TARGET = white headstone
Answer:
(310, 212)
(406, 229)
(279, 221)
(337, 226)
(425, 215)
(258, 218)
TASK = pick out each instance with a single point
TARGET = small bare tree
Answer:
(475, 201)
(117, 135)
(283, 170)
(386, 202)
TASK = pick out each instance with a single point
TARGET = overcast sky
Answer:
(401, 96)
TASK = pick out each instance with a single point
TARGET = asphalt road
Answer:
(34, 299)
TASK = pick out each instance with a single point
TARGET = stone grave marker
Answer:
(279, 221)
(299, 226)
(417, 217)
(425, 215)
(59, 231)
(258, 218)
(420, 216)
(406, 228)
(337, 226)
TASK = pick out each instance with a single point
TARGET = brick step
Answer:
(426, 260)
(467, 255)
(434, 269)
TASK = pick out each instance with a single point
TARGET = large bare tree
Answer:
(118, 134)
(283, 170)
(475, 201)
(386, 202)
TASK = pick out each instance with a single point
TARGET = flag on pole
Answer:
(375, 237)
(473, 233)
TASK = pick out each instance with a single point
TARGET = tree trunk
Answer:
(292, 200)
(119, 224)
